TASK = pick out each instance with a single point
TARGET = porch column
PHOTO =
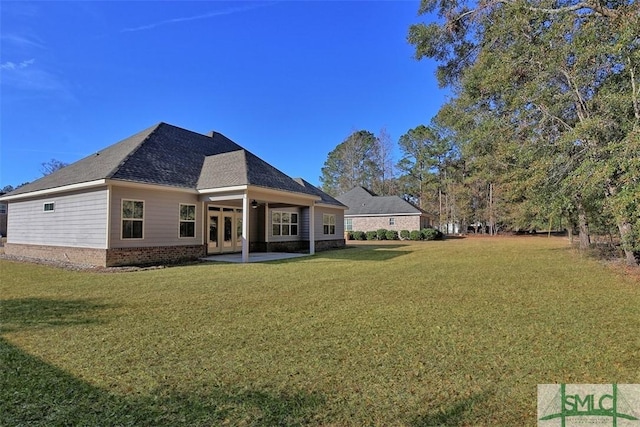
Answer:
(312, 230)
(245, 227)
(267, 225)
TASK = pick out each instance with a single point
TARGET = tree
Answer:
(51, 166)
(383, 156)
(423, 157)
(561, 80)
(352, 163)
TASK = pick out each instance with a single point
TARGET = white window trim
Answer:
(44, 207)
(297, 224)
(326, 221)
(144, 213)
(180, 220)
(348, 224)
(392, 221)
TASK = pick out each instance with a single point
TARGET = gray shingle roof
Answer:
(363, 202)
(324, 196)
(168, 155)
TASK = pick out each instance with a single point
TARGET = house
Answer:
(369, 212)
(168, 194)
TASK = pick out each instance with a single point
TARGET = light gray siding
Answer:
(77, 220)
(161, 217)
(318, 225)
(301, 228)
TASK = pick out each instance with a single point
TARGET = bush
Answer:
(349, 235)
(431, 234)
(415, 235)
(358, 235)
(404, 234)
(372, 235)
(391, 235)
(382, 234)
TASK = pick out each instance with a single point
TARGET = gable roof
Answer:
(171, 156)
(364, 202)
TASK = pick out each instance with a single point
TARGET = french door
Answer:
(225, 230)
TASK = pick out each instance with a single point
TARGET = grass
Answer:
(458, 332)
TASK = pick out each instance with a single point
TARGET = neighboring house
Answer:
(168, 194)
(369, 212)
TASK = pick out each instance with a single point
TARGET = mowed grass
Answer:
(455, 333)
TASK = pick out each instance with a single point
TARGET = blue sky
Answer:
(287, 80)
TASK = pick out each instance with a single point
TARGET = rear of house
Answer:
(167, 195)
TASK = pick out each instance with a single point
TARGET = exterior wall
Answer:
(154, 255)
(301, 227)
(161, 218)
(108, 257)
(319, 211)
(373, 223)
(78, 220)
(75, 255)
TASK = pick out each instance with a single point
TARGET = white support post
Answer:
(245, 228)
(312, 230)
(267, 224)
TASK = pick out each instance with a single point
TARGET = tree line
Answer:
(542, 130)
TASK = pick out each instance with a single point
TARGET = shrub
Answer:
(404, 234)
(382, 234)
(358, 235)
(391, 235)
(415, 235)
(349, 235)
(372, 235)
(431, 234)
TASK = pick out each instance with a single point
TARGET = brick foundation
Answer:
(86, 256)
(110, 257)
(154, 255)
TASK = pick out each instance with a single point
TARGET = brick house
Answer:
(370, 212)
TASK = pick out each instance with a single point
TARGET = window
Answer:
(284, 223)
(49, 207)
(348, 224)
(132, 219)
(3, 208)
(392, 221)
(187, 220)
(329, 224)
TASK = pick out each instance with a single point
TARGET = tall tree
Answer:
(423, 157)
(563, 77)
(352, 163)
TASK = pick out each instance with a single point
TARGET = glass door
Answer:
(214, 230)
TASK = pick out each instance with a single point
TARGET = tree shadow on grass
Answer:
(24, 313)
(365, 252)
(454, 415)
(33, 392)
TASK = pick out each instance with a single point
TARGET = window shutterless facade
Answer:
(187, 226)
(49, 207)
(348, 224)
(132, 219)
(284, 223)
(329, 224)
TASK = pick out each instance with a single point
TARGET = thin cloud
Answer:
(22, 41)
(13, 66)
(208, 15)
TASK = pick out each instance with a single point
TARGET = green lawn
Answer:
(458, 332)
